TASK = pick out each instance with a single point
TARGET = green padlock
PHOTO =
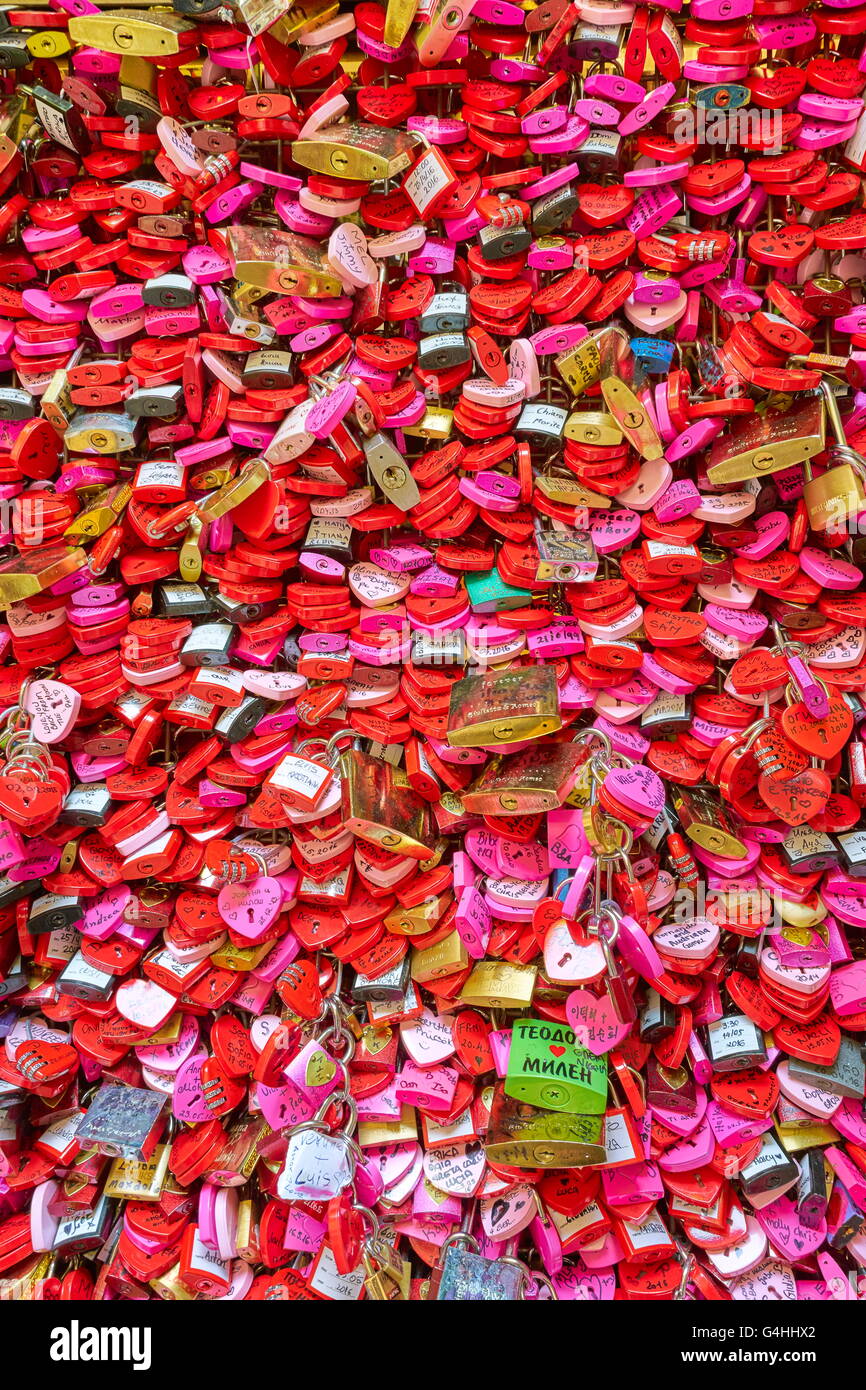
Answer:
(548, 1067)
(489, 593)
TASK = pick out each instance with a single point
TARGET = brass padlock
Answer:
(839, 493)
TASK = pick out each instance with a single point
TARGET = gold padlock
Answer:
(839, 493)
(760, 444)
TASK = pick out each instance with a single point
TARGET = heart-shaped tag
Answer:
(820, 738)
(748, 1093)
(769, 1280)
(255, 515)
(284, 1106)
(604, 250)
(386, 106)
(567, 962)
(745, 1255)
(786, 245)
(817, 1041)
(811, 1098)
(187, 1101)
(298, 988)
(144, 1003)
(250, 908)
(457, 1169)
(782, 1225)
(594, 1022)
(320, 1069)
(427, 1039)
(601, 205)
(26, 800)
(507, 1215)
(53, 708)
(800, 798)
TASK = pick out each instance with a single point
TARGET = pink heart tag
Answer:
(171, 1056)
(347, 254)
(473, 922)
(393, 1161)
(596, 1286)
(637, 787)
(283, 1106)
(53, 708)
(187, 1101)
(375, 587)
(507, 1214)
(806, 1094)
(106, 913)
(593, 1021)
(250, 908)
(145, 1004)
(428, 1039)
(783, 1228)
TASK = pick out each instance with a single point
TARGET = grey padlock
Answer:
(812, 1189)
(447, 312)
(155, 402)
(11, 892)
(769, 1169)
(748, 955)
(209, 644)
(667, 713)
(14, 52)
(441, 350)
(291, 652)
(178, 600)
(331, 535)
(242, 324)
(16, 404)
(137, 105)
(439, 648)
(54, 911)
(383, 988)
(88, 804)
(657, 1017)
(808, 851)
(61, 119)
(234, 611)
(853, 847)
(391, 472)
(554, 209)
(601, 152)
(268, 370)
(845, 1076)
(171, 291)
(498, 243)
(81, 980)
(735, 1043)
(14, 980)
(596, 43)
(235, 724)
(86, 1229)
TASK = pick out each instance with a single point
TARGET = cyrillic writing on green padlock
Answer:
(548, 1067)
